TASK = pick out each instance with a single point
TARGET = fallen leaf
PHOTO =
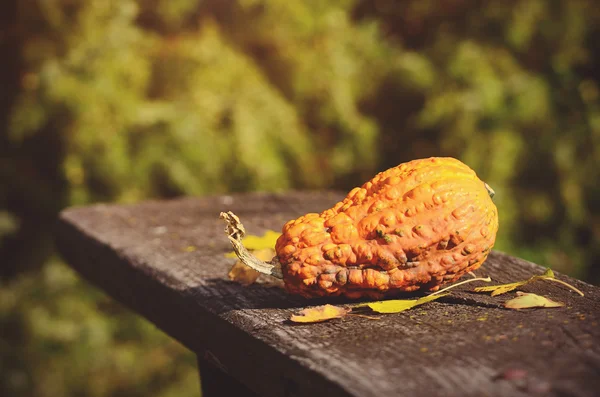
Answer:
(504, 288)
(525, 301)
(245, 275)
(398, 305)
(319, 313)
(253, 243)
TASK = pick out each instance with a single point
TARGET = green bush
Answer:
(128, 100)
(63, 338)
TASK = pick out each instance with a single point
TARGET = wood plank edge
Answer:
(103, 267)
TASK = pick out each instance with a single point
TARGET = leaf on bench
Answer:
(504, 288)
(398, 305)
(319, 313)
(245, 275)
(525, 301)
(254, 243)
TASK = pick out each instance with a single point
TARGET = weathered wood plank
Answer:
(166, 261)
(215, 382)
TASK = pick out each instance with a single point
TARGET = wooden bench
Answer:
(165, 260)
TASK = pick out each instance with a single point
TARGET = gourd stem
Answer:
(235, 232)
(489, 189)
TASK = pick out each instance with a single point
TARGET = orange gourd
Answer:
(413, 227)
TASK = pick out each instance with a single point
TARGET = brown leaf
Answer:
(245, 275)
(319, 313)
(525, 301)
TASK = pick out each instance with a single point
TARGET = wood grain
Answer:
(165, 260)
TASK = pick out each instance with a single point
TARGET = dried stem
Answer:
(563, 283)
(487, 280)
(235, 232)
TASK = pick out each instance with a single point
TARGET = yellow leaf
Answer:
(319, 313)
(398, 305)
(392, 306)
(501, 288)
(267, 240)
(526, 301)
(504, 288)
(245, 275)
(252, 242)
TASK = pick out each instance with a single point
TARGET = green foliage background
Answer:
(125, 100)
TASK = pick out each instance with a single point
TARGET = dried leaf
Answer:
(245, 275)
(319, 313)
(525, 301)
(504, 288)
(398, 305)
(252, 242)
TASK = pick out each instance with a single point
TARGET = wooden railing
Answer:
(165, 260)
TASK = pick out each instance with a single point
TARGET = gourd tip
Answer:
(490, 191)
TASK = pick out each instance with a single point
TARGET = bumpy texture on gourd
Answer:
(415, 226)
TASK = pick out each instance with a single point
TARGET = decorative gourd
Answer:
(413, 227)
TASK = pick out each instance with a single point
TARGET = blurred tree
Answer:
(62, 338)
(124, 100)
(511, 88)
